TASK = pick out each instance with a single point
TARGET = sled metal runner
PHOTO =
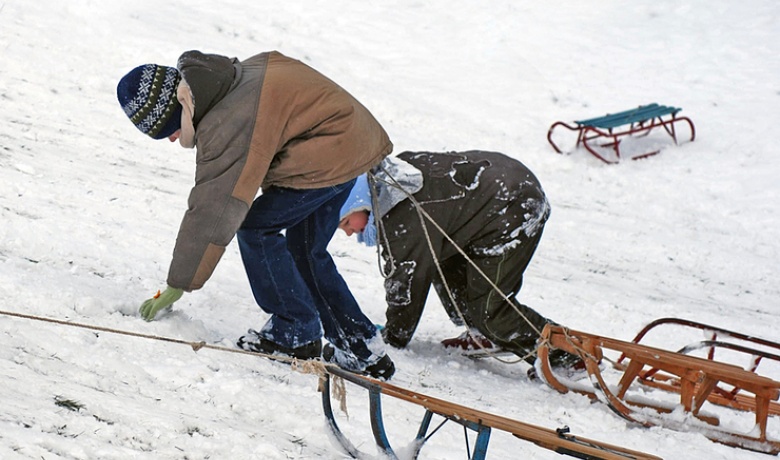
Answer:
(696, 380)
(477, 421)
(608, 131)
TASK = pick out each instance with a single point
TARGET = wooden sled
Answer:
(560, 440)
(608, 131)
(718, 341)
(695, 380)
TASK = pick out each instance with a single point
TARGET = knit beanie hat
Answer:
(147, 94)
(359, 198)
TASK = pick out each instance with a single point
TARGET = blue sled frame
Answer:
(481, 423)
(377, 425)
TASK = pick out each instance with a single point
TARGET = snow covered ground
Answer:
(89, 210)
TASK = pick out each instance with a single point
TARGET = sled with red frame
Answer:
(603, 134)
(560, 440)
(694, 380)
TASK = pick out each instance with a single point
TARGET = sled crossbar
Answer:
(607, 130)
(718, 339)
(697, 377)
(482, 423)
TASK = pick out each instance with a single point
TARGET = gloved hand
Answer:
(150, 307)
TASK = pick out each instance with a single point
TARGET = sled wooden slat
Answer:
(720, 339)
(559, 441)
(697, 378)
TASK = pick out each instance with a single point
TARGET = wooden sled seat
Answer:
(697, 376)
(606, 131)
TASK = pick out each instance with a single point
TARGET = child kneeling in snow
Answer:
(492, 207)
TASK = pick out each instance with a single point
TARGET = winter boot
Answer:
(254, 342)
(381, 370)
(469, 341)
(566, 364)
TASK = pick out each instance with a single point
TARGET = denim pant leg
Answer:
(344, 324)
(277, 285)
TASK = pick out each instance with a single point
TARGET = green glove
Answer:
(150, 308)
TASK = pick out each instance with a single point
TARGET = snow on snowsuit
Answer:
(494, 208)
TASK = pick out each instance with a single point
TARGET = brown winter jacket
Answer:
(266, 121)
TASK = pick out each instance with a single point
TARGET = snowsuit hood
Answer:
(394, 181)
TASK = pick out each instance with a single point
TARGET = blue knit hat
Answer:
(359, 198)
(147, 94)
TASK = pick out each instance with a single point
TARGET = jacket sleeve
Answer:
(213, 217)
(410, 260)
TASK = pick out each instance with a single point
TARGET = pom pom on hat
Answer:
(147, 94)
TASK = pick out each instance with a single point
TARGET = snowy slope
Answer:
(89, 210)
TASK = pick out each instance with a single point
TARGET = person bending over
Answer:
(492, 207)
(273, 122)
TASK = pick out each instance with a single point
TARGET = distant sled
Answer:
(605, 137)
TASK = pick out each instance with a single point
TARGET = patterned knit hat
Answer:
(148, 96)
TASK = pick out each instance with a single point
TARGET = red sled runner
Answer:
(602, 136)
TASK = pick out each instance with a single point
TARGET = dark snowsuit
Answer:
(493, 207)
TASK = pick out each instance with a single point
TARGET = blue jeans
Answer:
(292, 275)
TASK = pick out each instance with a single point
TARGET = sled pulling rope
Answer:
(196, 346)
(560, 440)
(332, 377)
(696, 380)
